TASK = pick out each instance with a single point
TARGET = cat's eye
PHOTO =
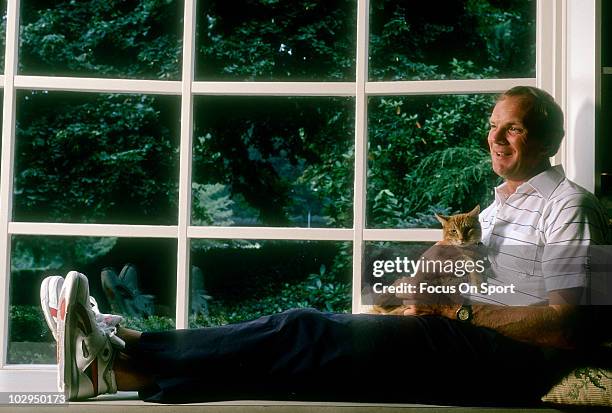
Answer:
(453, 231)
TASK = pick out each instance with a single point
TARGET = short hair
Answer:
(544, 118)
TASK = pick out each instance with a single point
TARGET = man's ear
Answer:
(550, 150)
(442, 218)
(547, 149)
(475, 211)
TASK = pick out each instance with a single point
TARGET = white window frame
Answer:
(550, 75)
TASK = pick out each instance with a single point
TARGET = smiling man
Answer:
(538, 228)
(476, 354)
(538, 215)
(526, 128)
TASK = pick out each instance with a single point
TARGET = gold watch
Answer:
(464, 313)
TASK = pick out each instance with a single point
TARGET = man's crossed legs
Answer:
(299, 354)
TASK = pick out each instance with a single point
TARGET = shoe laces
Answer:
(108, 324)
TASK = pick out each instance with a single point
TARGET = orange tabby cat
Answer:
(460, 230)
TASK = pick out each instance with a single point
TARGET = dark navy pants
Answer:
(309, 355)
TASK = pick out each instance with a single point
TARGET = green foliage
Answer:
(331, 180)
(427, 152)
(322, 291)
(151, 323)
(272, 40)
(211, 205)
(103, 38)
(264, 150)
(34, 254)
(506, 31)
(88, 159)
(422, 40)
(455, 176)
(27, 323)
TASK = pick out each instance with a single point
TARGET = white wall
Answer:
(581, 91)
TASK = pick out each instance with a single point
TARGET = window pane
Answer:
(427, 154)
(457, 39)
(102, 38)
(377, 273)
(273, 161)
(237, 280)
(96, 158)
(272, 40)
(144, 267)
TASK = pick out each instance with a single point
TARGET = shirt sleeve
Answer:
(573, 225)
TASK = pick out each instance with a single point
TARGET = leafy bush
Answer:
(100, 158)
(427, 152)
(321, 291)
(33, 254)
(151, 323)
(105, 38)
(27, 323)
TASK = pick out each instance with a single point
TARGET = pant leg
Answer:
(309, 355)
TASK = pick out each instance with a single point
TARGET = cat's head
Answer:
(461, 229)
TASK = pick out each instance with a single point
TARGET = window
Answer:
(244, 154)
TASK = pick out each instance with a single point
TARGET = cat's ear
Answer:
(442, 218)
(475, 211)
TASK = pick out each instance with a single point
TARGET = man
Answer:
(478, 354)
(538, 216)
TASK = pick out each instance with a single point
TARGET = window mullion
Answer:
(257, 88)
(361, 145)
(184, 213)
(443, 87)
(93, 230)
(100, 85)
(6, 179)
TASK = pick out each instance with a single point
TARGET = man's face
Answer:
(515, 155)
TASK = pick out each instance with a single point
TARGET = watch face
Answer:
(463, 314)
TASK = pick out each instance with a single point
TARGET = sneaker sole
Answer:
(73, 310)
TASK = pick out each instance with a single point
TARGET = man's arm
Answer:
(577, 222)
(551, 325)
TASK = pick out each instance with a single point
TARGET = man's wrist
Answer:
(448, 311)
(464, 313)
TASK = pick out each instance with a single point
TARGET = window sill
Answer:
(44, 379)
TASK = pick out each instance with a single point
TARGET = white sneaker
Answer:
(50, 289)
(49, 293)
(85, 353)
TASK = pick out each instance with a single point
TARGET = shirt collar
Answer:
(543, 183)
(546, 182)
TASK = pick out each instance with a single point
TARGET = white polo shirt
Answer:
(538, 237)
